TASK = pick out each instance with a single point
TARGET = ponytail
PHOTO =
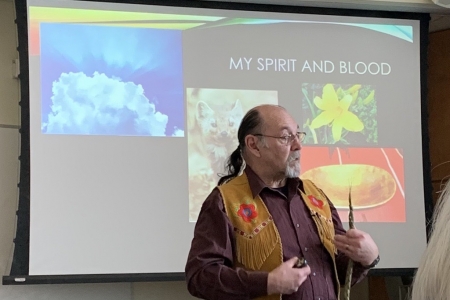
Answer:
(234, 166)
(250, 124)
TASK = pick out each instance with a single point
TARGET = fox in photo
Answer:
(213, 119)
(218, 129)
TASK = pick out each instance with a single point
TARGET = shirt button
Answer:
(306, 249)
(298, 225)
(314, 274)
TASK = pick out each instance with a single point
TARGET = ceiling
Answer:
(422, 6)
(439, 22)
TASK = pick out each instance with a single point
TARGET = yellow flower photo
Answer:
(339, 114)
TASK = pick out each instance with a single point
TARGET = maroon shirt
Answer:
(209, 269)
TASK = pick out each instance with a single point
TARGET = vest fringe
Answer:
(252, 253)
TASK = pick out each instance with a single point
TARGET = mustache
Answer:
(294, 155)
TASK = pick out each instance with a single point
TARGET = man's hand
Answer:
(286, 279)
(357, 245)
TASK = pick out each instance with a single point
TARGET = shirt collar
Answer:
(257, 185)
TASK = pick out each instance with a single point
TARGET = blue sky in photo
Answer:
(111, 80)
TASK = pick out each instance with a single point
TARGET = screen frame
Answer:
(20, 263)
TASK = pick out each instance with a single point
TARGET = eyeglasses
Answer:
(286, 139)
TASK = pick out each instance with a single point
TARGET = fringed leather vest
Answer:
(258, 243)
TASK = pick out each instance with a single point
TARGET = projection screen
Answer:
(134, 109)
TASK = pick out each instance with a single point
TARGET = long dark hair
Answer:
(251, 123)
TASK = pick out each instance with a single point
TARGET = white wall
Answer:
(9, 148)
(9, 151)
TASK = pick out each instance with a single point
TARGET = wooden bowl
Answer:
(371, 186)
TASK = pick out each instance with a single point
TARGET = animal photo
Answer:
(213, 119)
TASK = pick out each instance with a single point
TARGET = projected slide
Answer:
(103, 80)
(214, 116)
(134, 110)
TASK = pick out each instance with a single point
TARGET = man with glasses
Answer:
(261, 219)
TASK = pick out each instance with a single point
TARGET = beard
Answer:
(293, 165)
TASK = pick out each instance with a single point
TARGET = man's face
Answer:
(282, 157)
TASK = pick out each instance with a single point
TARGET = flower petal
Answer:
(324, 118)
(329, 93)
(329, 98)
(354, 89)
(351, 122)
(344, 104)
(370, 97)
(336, 130)
(354, 96)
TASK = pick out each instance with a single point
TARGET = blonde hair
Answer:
(431, 281)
